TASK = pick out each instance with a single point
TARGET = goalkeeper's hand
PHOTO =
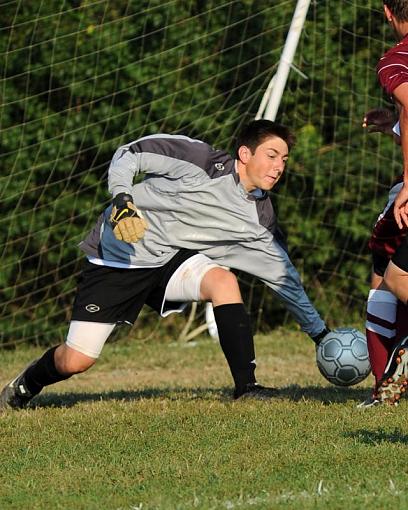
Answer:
(126, 220)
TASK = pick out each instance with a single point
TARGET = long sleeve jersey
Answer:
(192, 198)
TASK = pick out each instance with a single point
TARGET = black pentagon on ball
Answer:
(332, 349)
(360, 349)
(347, 376)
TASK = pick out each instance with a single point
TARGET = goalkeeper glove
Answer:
(126, 220)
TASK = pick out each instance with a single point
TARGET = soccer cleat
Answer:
(318, 338)
(15, 394)
(255, 391)
(394, 381)
(371, 401)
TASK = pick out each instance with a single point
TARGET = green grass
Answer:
(153, 426)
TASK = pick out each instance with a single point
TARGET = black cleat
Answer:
(318, 338)
(255, 391)
(394, 381)
(15, 394)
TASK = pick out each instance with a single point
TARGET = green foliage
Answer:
(80, 78)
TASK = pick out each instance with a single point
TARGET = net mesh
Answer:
(79, 78)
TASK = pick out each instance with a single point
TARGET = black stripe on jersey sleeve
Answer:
(214, 162)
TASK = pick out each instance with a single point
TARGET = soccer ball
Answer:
(342, 357)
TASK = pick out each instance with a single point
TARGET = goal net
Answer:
(79, 78)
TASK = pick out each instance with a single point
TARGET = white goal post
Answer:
(271, 100)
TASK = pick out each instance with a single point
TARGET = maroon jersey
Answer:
(392, 68)
(386, 236)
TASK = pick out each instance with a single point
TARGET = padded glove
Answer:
(126, 220)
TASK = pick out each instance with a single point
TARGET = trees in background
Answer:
(80, 78)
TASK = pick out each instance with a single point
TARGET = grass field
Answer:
(153, 426)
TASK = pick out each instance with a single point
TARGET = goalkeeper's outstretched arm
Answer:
(272, 266)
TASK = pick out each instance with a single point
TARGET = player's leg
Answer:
(395, 378)
(220, 286)
(381, 303)
(104, 297)
(396, 279)
(199, 279)
(84, 343)
(380, 331)
(384, 322)
(401, 321)
(380, 324)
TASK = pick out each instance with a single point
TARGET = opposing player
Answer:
(393, 77)
(193, 198)
(387, 318)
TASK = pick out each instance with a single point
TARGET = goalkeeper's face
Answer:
(264, 167)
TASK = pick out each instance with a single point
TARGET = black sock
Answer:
(237, 342)
(42, 373)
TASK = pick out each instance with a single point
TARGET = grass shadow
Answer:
(187, 394)
(295, 393)
(326, 394)
(376, 437)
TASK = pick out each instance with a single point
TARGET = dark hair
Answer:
(399, 8)
(256, 132)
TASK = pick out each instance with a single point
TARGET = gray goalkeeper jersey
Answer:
(192, 198)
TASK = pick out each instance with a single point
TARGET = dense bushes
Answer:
(82, 78)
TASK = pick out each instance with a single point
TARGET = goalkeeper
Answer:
(143, 249)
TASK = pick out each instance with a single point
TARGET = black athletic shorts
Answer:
(380, 263)
(109, 294)
(400, 257)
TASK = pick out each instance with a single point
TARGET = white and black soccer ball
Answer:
(342, 357)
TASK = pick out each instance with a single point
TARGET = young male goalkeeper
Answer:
(143, 249)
